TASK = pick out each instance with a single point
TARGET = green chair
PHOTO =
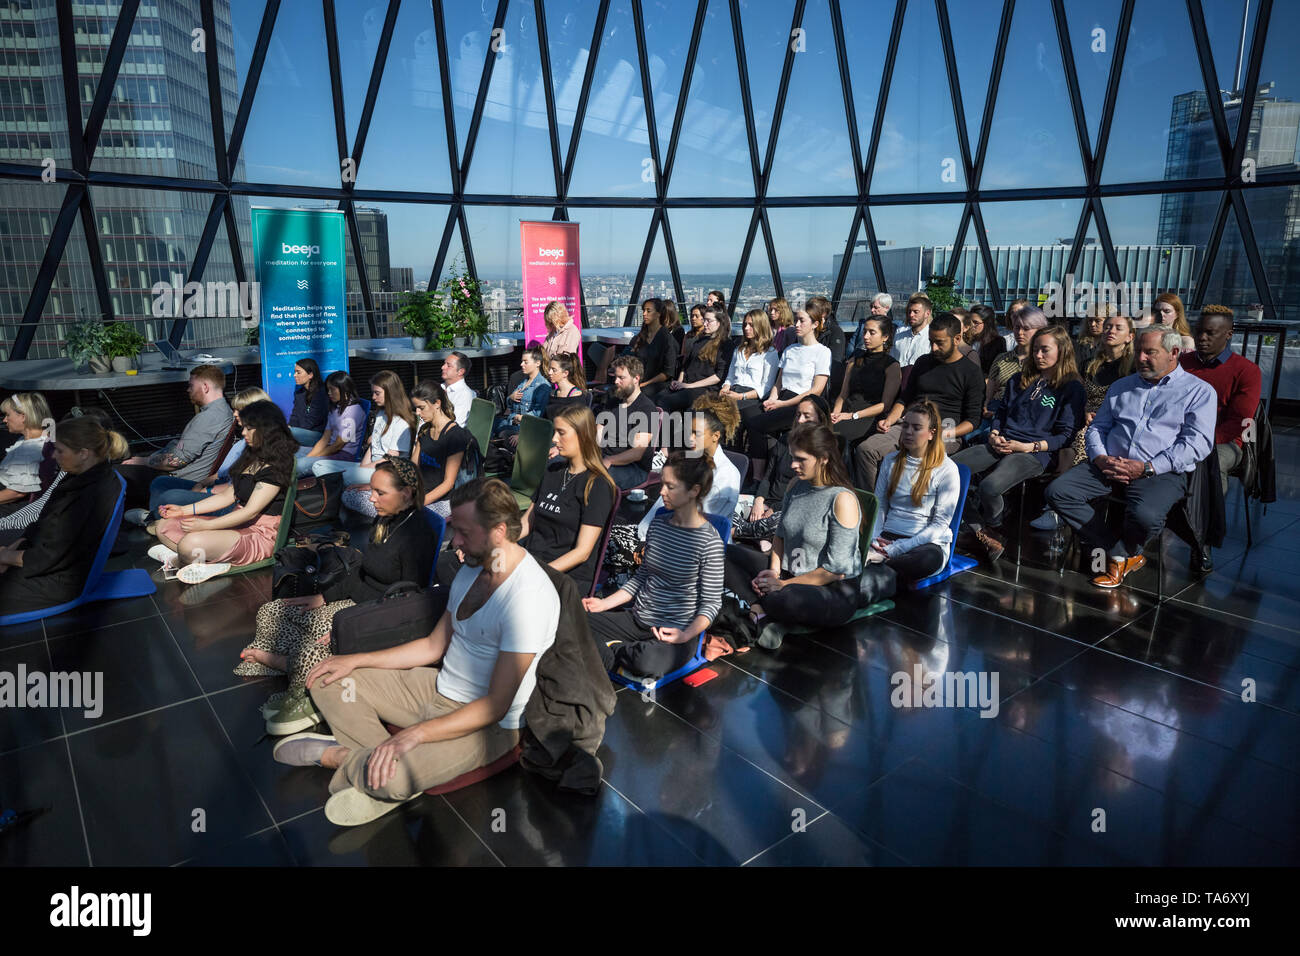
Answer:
(281, 537)
(530, 458)
(479, 422)
(868, 505)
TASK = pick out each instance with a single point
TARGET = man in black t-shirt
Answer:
(943, 377)
(626, 431)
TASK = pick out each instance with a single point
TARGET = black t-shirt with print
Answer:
(561, 506)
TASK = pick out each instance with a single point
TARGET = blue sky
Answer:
(290, 138)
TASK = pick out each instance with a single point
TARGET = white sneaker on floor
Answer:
(353, 807)
(163, 554)
(137, 516)
(198, 573)
(1049, 520)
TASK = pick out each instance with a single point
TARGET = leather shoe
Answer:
(1202, 560)
(1117, 569)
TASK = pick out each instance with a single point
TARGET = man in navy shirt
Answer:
(1146, 438)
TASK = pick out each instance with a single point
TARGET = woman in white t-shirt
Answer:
(390, 437)
(25, 414)
(804, 370)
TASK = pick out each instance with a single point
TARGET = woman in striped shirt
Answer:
(677, 590)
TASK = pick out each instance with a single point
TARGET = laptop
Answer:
(175, 361)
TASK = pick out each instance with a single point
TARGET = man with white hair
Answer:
(881, 304)
(1144, 442)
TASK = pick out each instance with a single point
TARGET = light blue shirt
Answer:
(1169, 423)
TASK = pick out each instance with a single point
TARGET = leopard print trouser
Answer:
(300, 634)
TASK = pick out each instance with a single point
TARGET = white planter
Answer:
(99, 365)
(123, 363)
(417, 343)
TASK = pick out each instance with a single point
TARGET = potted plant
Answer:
(1256, 311)
(465, 307)
(87, 343)
(124, 345)
(420, 317)
(942, 291)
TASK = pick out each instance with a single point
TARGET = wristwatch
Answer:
(855, 416)
(1148, 471)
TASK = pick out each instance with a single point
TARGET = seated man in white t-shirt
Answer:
(501, 617)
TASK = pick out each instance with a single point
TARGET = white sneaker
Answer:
(137, 516)
(352, 807)
(1049, 520)
(197, 573)
(164, 555)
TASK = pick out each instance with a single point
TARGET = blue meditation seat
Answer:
(956, 562)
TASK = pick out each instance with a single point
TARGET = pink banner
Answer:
(550, 258)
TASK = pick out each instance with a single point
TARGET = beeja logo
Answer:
(557, 253)
(291, 250)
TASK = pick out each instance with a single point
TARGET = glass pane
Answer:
(1030, 243)
(360, 24)
(203, 332)
(158, 122)
(813, 157)
(1231, 43)
(708, 243)
(93, 26)
(668, 26)
(513, 150)
(1161, 240)
(713, 150)
(469, 36)
(611, 241)
(32, 87)
(907, 237)
(1273, 128)
(918, 143)
(569, 25)
(237, 37)
(974, 26)
(1274, 213)
(1092, 25)
(613, 156)
(1231, 282)
(1161, 128)
(293, 106)
(757, 287)
(658, 282)
(72, 298)
(766, 29)
(809, 246)
(494, 235)
(1033, 139)
(454, 263)
(399, 242)
(866, 40)
(860, 282)
(408, 119)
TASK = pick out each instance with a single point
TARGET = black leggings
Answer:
(623, 641)
(760, 424)
(828, 605)
(918, 563)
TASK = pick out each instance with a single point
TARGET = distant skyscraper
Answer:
(157, 123)
(403, 278)
(372, 224)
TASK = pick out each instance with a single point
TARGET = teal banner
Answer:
(301, 262)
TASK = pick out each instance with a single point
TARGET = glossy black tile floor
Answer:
(1111, 709)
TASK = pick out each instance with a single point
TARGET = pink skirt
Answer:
(256, 539)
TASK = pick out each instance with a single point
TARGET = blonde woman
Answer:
(562, 334)
(392, 433)
(25, 415)
(918, 488)
(753, 366)
(782, 316)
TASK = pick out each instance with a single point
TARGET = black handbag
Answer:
(301, 571)
(317, 501)
(404, 613)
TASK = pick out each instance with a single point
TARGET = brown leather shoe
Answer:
(1117, 570)
(992, 543)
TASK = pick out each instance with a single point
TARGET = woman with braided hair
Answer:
(293, 634)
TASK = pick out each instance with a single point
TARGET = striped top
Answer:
(680, 576)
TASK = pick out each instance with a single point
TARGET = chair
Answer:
(603, 544)
(479, 422)
(956, 562)
(530, 458)
(437, 526)
(868, 505)
(226, 445)
(281, 536)
(100, 585)
(741, 462)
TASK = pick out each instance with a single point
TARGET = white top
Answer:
(757, 372)
(1010, 339)
(462, 396)
(930, 522)
(800, 363)
(397, 440)
(20, 469)
(520, 617)
(909, 345)
(721, 499)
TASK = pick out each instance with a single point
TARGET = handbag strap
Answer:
(400, 587)
(324, 500)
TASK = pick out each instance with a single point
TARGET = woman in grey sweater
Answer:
(811, 573)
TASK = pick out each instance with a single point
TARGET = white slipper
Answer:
(163, 554)
(198, 573)
(353, 807)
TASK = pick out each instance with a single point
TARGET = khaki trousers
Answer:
(357, 714)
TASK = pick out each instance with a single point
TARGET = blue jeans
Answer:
(306, 436)
(353, 473)
(628, 476)
(170, 490)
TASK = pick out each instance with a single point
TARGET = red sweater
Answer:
(1236, 382)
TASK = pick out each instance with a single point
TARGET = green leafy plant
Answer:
(87, 340)
(423, 315)
(942, 292)
(123, 341)
(464, 297)
(252, 335)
